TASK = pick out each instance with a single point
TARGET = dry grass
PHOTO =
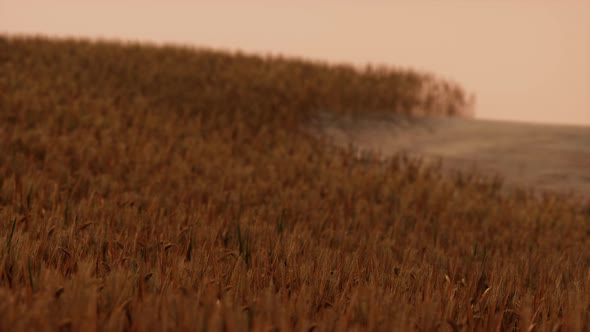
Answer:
(151, 188)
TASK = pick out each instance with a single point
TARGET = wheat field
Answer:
(164, 188)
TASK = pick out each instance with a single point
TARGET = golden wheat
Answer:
(150, 189)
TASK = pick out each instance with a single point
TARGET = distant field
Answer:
(146, 189)
(538, 157)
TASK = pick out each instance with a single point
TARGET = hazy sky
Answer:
(525, 60)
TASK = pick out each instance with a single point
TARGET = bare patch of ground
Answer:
(546, 157)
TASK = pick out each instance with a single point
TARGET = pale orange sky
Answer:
(525, 60)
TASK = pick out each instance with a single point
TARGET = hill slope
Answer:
(164, 188)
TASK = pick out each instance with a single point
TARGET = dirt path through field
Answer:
(547, 157)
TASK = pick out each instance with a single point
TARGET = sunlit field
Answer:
(149, 188)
